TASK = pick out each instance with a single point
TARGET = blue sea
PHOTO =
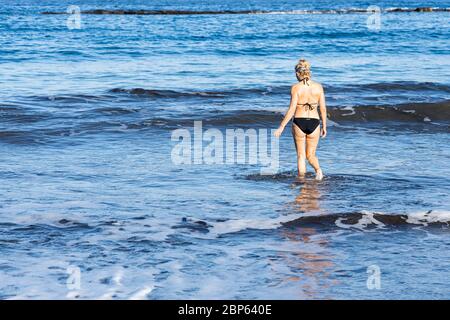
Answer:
(92, 205)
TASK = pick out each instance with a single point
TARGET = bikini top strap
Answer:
(309, 105)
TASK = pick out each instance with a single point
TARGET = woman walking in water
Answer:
(307, 97)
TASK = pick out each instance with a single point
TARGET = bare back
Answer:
(308, 99)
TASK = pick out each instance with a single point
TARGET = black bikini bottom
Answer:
(307, 125)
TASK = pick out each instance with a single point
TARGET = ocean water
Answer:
(92, 205)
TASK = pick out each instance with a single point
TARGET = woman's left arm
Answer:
(289, 114)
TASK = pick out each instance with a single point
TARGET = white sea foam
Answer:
(366, 220)
(236, 225)
(425, 218)
(348, 108)
(417, 218)
(331, 123)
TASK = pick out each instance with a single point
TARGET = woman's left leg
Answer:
(300, 141)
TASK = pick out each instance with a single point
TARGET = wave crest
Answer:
(362, 221)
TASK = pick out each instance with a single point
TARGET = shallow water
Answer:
(88, 181)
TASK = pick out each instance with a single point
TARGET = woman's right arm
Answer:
(323, 114)
(289, 114)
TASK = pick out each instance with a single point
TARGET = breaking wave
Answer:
(284, 90)
(361, 221)
(411, 112)
(435, 116)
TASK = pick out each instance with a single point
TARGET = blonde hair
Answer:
(302, 70)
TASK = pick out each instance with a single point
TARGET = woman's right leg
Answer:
(299, 139)
(312, 140)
